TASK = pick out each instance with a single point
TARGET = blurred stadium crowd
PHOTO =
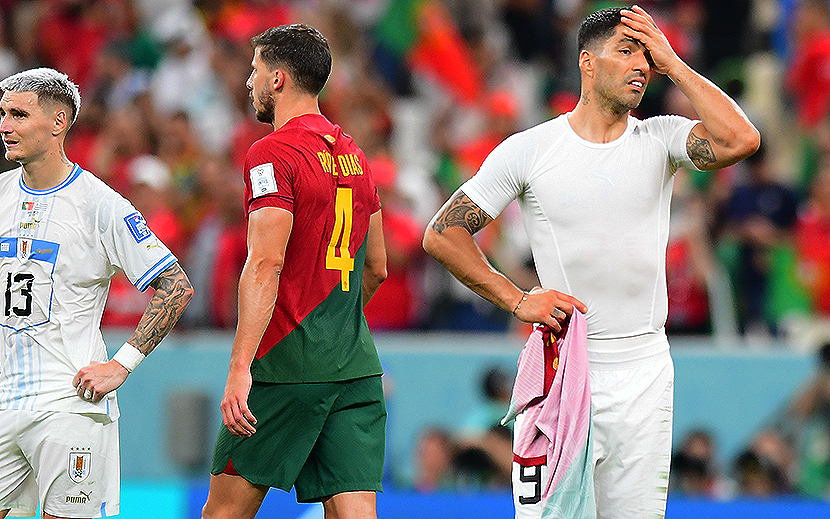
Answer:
(428, 88)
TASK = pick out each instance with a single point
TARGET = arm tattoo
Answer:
(700, 151)
(172, 294)
(461, 212)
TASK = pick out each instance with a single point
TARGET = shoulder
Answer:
(96, 190)
(662, 123)
(542, 131)
(10, 177)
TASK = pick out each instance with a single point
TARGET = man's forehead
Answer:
(618, 37)
(19, 98)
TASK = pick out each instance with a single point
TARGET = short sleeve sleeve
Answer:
(674, 130)
(498, 181)
(268, 178)
(131, 245)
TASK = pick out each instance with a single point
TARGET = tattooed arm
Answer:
(172, 294)
(724, 136)
(449, 239)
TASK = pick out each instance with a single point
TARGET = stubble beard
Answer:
(266, 113)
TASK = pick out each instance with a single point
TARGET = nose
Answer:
(250, 83)
(643, 63)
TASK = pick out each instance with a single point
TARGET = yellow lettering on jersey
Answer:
(345, 165)
(357, 169)
(327, 162)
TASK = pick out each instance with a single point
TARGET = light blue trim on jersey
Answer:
(76, 172)
(145, 280)
(104, 509)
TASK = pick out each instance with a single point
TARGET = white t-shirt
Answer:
(58, 250)
(597, 216)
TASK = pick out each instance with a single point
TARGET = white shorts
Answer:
(632, 420)
(631, 428)
(68, 462)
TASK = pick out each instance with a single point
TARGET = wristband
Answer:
(128, 356)
(522, 300)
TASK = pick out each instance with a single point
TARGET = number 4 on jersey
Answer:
(342, 233)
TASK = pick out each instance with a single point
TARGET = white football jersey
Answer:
(58, 250)
(597, 216)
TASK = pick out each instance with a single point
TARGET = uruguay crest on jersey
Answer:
(79, 462)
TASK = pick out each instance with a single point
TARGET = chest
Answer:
(622, 184)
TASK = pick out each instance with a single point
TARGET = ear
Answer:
(279, 79)
(586, 62)
(60, 122)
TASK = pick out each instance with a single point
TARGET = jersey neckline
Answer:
(630, 124)
(76, 172)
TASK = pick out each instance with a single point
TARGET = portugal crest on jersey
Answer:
(79, 465)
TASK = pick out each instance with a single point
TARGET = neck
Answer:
(596, 123)
(290, 108)
(47, 171)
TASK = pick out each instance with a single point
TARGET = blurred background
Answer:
(428, 88)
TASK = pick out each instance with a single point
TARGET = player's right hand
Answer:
(549, 307)
(235, 413)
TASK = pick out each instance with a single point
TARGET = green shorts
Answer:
(321, 438)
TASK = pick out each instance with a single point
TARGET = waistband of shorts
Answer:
(627, 352)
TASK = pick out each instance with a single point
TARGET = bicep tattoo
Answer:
(461, 212)
(700, 151)
(172, 294)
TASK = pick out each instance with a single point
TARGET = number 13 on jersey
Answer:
(337, 253)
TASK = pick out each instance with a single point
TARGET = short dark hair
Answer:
(301, 49)
(598, 26)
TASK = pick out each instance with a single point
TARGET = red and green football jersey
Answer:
(318, 332)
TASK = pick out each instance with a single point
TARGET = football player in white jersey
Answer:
(63, 235)
(594, 186)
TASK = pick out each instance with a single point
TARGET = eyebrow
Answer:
(629, 39)
(14, 111)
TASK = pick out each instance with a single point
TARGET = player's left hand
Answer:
(93, 382)
(638, 24)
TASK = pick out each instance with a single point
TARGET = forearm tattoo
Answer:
(172, 294)
(461, 212)
(700, 151)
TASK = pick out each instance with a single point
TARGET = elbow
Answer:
(430, 241)
(381, 275)
(751, 142)
(186, 290)
(745, 142)
(377, 272)
(266, 265)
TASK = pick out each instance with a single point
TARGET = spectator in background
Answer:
(808, 77)
(125, 134)
(434, 455)
(759, 219)
(765, 468)
(812, 239)
(217, 247)
(496, 387)
(693, 470)
(757, 477)
(809, 415)
(396, 304)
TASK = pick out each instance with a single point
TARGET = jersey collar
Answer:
(76, 172)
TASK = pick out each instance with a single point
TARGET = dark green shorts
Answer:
(321, 438)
